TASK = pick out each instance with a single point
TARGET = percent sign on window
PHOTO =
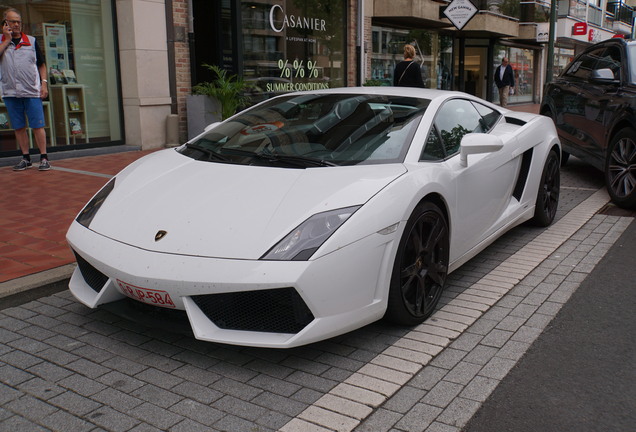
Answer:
(299, 69)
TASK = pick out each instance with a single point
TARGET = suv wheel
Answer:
(620, 168)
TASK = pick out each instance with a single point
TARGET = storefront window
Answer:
(522, 62)
(291, 46)
(435, 52)
(388, 54)
(433, 55)
(77, 39)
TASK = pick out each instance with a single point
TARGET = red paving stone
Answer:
(36, 209)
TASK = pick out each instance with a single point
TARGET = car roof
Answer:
(422, 93)
(612, 41)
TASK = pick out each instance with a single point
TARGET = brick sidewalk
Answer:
(36, 209)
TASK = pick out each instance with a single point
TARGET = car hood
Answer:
(223, 210)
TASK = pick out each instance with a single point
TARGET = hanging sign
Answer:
(459, 12)
(543, 32)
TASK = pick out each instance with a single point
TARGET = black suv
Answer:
(593, 105)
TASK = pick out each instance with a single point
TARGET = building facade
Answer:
(122, 71)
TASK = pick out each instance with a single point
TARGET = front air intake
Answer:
(93, 277)
(279, 310)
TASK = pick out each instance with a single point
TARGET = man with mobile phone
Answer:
(24, 85)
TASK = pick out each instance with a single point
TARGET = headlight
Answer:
(85, 217)
(302, 242)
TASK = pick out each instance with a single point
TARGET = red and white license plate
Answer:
(146, 295)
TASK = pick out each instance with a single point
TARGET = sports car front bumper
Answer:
(314, 300)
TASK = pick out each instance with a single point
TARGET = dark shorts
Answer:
(21, 109)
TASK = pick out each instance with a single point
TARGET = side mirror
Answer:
(211, 126)
(605, 74)
(477, 143)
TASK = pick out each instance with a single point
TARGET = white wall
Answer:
(144, 71)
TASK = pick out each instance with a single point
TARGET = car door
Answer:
(597, 98)
(483, 188)
(570, 106)
(582, 102)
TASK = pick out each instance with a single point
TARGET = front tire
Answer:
(420, 267)
(620, 169)
(549, 191)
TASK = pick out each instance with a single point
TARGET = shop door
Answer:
(475, 67)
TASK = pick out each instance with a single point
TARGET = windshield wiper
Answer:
(210, 153)
(296, 160)
(303, 161)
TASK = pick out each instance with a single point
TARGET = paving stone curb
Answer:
(25, 283)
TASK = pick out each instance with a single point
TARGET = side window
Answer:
(584, 65)
(433, 149)
(489, 116)
(611, 60)
(456, 118)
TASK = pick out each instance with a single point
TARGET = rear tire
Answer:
(549, 190)
(620, 169)
(420, 267)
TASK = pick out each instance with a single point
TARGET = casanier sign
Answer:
(294, 21)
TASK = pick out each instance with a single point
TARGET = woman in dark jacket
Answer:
(407, 73)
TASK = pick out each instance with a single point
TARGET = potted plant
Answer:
(215, 100)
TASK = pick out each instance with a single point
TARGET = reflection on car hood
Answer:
(226, 211)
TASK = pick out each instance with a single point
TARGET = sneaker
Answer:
(44, 165)
(24, 164)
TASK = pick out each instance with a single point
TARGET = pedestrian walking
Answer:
(505, 81)
(24, 85)
(407, 73)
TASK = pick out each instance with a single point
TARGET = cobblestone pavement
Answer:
(69, 368)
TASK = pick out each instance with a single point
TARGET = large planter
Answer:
(201, 110)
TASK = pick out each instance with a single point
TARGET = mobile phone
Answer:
(4, 23)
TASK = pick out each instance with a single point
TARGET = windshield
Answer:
(314, 130)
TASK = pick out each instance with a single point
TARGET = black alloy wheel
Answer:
(549, 191)
(620, 169)
(420, 267)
